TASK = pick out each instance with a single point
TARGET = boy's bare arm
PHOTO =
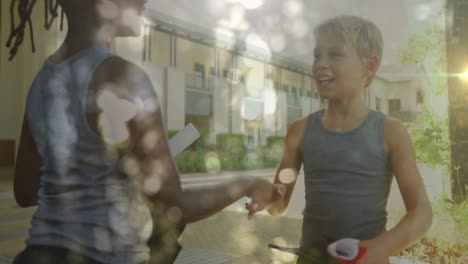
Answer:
(26, 177)
(290, 165)
(418, 218)
(147, 145)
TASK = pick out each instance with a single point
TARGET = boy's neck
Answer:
(82, 36)
(347, 109)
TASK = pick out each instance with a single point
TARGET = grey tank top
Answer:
(85, 202)
(347, 181)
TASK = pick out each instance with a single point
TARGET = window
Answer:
(301, 91)
(225, 74)
(212, 71)
(259, 135)
(394, 107)
(294, 91)
(286, 89)
(199, 70)
(378, 104)
(250, 137)
(419, 97)
(276, 85)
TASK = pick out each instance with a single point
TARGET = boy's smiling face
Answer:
(338, 70)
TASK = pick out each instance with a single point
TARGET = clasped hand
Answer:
(262, 194)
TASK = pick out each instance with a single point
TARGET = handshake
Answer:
(263, 194)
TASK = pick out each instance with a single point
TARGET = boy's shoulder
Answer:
(123, 75)
(395, 132)
(297, 128)
(298, 124)
(117, 69)
(392, 124)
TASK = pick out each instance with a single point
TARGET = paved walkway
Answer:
(227, 237)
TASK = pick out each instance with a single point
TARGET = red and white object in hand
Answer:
(346, 250)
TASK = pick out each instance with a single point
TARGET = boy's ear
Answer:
(372, 65)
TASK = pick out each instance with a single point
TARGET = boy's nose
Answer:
(320, 63)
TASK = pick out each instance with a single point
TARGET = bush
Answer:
(255, 159)
(231, 151)
(232, 154)
(231, 143)
(193, 158)
(275, 141)
(431, 139)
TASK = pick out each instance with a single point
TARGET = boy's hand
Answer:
(376, 253)
(263, 193)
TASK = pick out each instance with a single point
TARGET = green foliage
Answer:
(191, 159)
(274, 151)
(275, 141)
(460, 216)
(232, 154)
(231, 151)
(233, 143)
(430, 139)
(427, 49)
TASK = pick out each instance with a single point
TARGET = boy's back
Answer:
(86, 203)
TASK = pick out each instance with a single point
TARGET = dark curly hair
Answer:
(24, 10)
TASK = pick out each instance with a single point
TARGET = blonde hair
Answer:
(364, 35)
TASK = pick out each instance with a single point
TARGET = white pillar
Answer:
(238, 94)
(282, 114)
(305, 105)
(175, 99)
(315, 105)
(220, 115)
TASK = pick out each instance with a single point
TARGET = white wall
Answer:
(406, 91)
(16, 75)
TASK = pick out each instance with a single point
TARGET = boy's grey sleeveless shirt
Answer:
(347, 181)
(85, 202)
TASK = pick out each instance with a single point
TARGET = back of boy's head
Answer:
(362, 34)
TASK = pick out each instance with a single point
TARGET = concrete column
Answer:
(175, 107)
(237, 97)
(282, 114)
(305, 104)
(220, 114)
(315, 105)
